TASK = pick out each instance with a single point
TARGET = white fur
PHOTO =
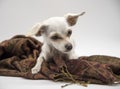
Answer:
(34, 30)
(55, 25)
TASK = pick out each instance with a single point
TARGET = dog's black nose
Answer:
(68, 46)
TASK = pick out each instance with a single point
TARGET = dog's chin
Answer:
(66, 51)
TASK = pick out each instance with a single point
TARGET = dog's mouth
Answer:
(67, 51)
(62, 51)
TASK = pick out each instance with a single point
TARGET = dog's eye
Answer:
(69, 32)
(55, 37)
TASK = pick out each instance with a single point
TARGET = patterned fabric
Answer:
(18, 55)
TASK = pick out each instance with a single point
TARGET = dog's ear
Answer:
(37, 29)
(41, 29)
(72, 18)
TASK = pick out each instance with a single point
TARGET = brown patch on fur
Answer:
(72, 20)
(41, 30)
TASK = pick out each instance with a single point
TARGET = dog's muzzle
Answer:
(68, 47)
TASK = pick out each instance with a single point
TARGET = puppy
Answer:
(56, 32)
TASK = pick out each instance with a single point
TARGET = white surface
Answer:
(19, 83)
(97, 32)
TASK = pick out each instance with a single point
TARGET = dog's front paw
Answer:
(35, 70)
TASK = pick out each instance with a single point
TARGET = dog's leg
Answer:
(40, 59)
(37, 67)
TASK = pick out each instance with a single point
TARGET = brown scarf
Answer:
(18, 55)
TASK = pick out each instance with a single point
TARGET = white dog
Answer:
(56, 32)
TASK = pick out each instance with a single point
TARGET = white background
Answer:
(97, 32)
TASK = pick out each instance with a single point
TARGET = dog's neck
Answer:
(55, 52)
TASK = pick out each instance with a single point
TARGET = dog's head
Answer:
(57, 31)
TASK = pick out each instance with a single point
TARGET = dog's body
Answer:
(56, 33)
